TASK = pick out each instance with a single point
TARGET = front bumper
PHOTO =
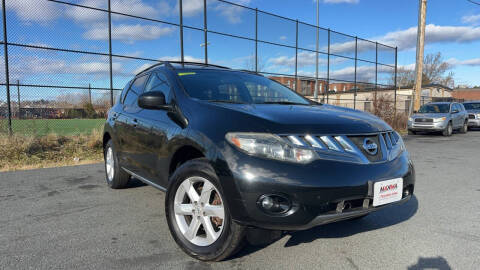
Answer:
(431, 126)
(315, 189)
(474, 122)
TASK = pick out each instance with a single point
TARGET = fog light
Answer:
(274, 204)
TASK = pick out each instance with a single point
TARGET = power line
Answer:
(473, 2)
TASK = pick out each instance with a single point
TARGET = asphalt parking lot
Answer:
(65, 218)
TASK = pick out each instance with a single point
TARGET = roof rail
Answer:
(179, 62)
(196, 63)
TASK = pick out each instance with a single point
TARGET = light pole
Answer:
(315, 93)
(422, 13)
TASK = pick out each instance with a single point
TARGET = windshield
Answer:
(236, 87)
(435, 108)
(472, 106)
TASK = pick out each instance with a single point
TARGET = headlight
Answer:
(478, 115)
(410, 119)
(441, 119)
(270, 146)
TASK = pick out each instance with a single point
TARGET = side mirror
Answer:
(152, 101)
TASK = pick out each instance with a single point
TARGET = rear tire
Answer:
(115, 176)
(197, 229)
(448, 130)
(464, 128)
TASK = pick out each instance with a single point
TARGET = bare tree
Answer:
(434, 71)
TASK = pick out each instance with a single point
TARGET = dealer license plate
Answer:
(387, 191)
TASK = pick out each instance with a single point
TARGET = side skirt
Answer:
(145, 180)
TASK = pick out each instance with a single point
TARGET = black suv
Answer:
(236, 150)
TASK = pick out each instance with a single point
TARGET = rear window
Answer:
(471, 106)
(236, 87)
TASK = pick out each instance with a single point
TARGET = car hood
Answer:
(296, 119)
(430, 115)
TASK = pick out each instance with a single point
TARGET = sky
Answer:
(453, 28)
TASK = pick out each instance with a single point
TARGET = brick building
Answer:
(306, 86)
(467, 94)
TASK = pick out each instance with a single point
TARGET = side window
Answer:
(158, 82)
(124, 91)
(135, 90)
(462, 108)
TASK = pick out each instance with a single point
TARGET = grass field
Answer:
(42, 127)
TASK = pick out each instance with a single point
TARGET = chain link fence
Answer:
(64, 62)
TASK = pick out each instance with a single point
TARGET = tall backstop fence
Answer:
(64, 61)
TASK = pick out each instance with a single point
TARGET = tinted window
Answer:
(461, 107)
(158, 82)
(124, 91)
(472, 106)
(455, 107)
(236, 87)
(435, 108)
(135, 90)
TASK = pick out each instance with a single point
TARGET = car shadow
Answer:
(135, 183)
(437, 263)
(376, 220)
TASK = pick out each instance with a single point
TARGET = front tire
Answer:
(411, 132)
(116, 177)
(448, 130)
(198, 215)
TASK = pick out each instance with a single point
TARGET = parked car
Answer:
(236, 151)
(473, 109)
(442, 117)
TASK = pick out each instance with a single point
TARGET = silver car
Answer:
(473, 109)
(442, 117)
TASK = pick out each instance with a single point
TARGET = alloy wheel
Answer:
(199, 211)
(110, 164)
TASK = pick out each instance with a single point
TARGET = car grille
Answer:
(423, 120)
(471, 116)
(350, 148)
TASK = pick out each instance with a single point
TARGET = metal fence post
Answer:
(90, 94)
(376, 71)
(18, 99)
(256, 40)
(110, 50)
(355, 81)
(395, 92)
(7, 74)
(205, 29)
(181, 30)
(296, 57)
(328, 65)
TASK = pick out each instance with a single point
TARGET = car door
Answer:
(129, 120)
(156, 127)
(457, 116)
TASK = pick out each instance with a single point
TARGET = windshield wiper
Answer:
(225, 101)
(283, 103)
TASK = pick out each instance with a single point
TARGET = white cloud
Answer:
(231, 12)
(128, 33)
(471, 19)
(467, 62)
(191, 7)
(407, 39)
(304, 59)
(34, 10)
(283, 38)
(341, 1)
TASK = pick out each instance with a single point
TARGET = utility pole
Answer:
(315, 93)
(422, 14)
(90, 94)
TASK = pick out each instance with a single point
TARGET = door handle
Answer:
(135, 122)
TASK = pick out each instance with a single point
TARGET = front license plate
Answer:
(387, 191)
